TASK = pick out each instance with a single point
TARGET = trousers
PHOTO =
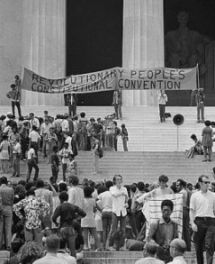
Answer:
(204, 238)
(200, 112)
(114, 225)
(162, 109)
(17, 104)
(6, 225)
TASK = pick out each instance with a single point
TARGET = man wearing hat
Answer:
(200, 99)
(14, 96)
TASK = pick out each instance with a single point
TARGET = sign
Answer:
(107, 80)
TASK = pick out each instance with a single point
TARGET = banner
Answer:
(107, 80)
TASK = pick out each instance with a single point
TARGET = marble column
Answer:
(44, 45)
(143, 43)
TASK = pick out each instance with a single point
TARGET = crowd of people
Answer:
(58, 139)
(67, 218)
(56, 221)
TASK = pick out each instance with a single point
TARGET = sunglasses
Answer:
(206, 182)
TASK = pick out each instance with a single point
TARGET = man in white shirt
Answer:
(119, 208)
(52, 247)
(34, 138)
(65, 124)
(177, 250)
(44, 131)
(162, 100)
(202, 220)
(32, 163)
(34, 122)
(16, 158)
(105, 204)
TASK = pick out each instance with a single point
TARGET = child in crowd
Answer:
(64, 154)
(73, 169)
(4, 154)
(55, 162)
(88, 223)
(124, 135)
(16, 158)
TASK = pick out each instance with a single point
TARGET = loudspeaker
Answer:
(178, 119)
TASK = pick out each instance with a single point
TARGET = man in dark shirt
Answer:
(116, 134)
(200, 99)
(14, 96)
(164, 231)
(67, 213)
(55, 162)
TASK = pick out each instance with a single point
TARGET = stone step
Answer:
(134, 166)
(123, 257)
(145, 131)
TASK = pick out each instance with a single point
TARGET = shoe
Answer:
(209, 160)
(204, 160)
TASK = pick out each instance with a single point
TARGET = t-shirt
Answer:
(118, 200)
(76, 196)
(65, 125)
(64, 153)
(34, 136)
(17, 148)
(203, 204)
(31, 154)
(105, 201)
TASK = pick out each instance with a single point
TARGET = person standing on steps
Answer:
(14, 96)
(207, 141)
(202, 220)
(162, 100)
(117, 103)
(200, 99)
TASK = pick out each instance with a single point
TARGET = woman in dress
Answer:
(5, 154)
(88, 223)
(207, 140)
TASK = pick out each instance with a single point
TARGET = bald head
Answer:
(177, 247)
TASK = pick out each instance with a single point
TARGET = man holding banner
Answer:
(14, 96)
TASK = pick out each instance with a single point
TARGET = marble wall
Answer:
(10, 44)
(33, 36)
